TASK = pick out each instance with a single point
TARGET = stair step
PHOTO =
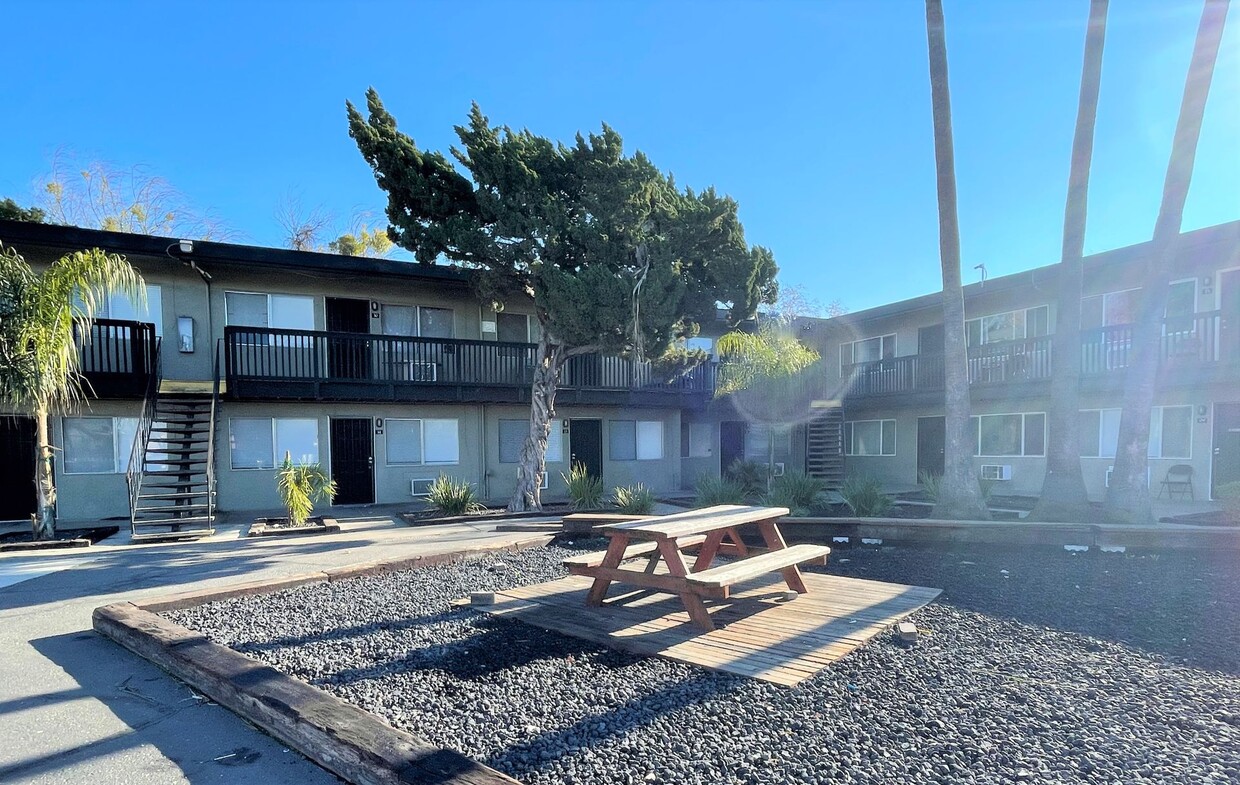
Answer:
(174, 494)
(170, 473)
(192, 510)
(176, 450)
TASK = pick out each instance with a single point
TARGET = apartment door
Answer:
(17, 437)
(353, 460)
(931, 445)
(348, 358)
(1226, 446)
(731, 444)
(585, 445)
(1229, 309)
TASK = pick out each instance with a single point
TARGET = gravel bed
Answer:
(1036, 665)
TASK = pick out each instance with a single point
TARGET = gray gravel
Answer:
(1064, 668)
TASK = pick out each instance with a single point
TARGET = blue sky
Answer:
(815, 116)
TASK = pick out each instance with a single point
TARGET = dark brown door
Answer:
(348, 358)
(1226, 446)
(585, 445)
(731, 444)
(931, 443)
(17, 436)
(1229, 315)
(353, 460)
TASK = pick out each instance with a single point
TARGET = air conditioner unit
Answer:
(777, 470)
(546, 483)
(995, 471)
(419, 488)
(410, 371)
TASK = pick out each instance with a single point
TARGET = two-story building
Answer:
(388, 373)
(884, 367)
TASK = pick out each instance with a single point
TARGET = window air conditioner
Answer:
(777, 470)
(995, 471)
(419, 488)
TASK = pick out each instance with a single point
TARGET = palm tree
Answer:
(960, 496)
(1063, 492)
(1128, 497)
(41, 318)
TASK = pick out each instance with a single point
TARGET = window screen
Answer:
(622, 440)
(246, 310)
(512, 435)
(400, 320)
(88, 447)
(299, 438)
(1089, 426)
(440, 441)
(435, 322)
(291, 312)
(512, 327)
(404, 441)
(249, 441)
(649, 440)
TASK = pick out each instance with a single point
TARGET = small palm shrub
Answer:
(633, 499)
(586, 492)
(865, 497)
(750, 475)
(300, 486)
(453, 497)
(932, 484)
(797, 491)
(1229, 494)
(719, 490)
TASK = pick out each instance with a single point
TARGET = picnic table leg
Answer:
(709, 548)
(615, 555)
(775, 541)
(693, 603)
(734, 535)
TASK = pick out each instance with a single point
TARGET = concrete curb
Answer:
(1103, 535)
(345, 740)
(260, 528)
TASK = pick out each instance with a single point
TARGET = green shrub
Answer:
(865, 497)
(453, 497)
(300, 486)
(797, 491)
(931, 483)
(586, 492)
(750, 476)
(718, 490)
(1229, 494)
(633, 499)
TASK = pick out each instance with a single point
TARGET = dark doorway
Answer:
(931, 442)
(17, 437)
(1226, 446)
(929, 367)
(731, 444)
(1229, 315)
(930, 339)
(348, 358)
(585, 445)
(353, 460)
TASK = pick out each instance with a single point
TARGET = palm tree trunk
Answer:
(1064, 497)
(960, 496)
(532, 465)
(1128, 497)
(43, 522)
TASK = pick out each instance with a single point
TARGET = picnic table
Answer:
(714, 531)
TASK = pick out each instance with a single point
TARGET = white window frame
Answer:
(120, 459)
(1106, 297)
(882, 349)
(977, 447)
(687, 449)
(529, 335)
(1024, 323)
(1162, 410)
(421, 421)
(849, 440)
(650, 427)
(417, 319)
(300, 343)
(276, 458)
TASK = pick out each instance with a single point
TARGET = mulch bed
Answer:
(282, 527)
(65, 538)
(432, 517)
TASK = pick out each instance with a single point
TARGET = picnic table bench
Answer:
(714, 531)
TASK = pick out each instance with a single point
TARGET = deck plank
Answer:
(756, 635)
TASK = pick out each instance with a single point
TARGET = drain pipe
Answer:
(486, 479)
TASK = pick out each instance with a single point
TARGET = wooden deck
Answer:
(757, 635)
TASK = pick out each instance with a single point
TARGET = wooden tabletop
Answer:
(690, 522)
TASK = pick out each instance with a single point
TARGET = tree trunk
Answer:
(43, 522)
(1128, 497)
(532, 464)
(1063, 496)
(960, 496)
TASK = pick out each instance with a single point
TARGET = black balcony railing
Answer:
(117, 357)
(1009, 361)
(1196, 339)
(328, 365)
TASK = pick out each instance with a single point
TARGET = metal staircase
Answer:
(824, 446)
(172, 473)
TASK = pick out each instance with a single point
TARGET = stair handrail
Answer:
(215, 397)
(137, 453)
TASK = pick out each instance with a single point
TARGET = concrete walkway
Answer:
(74, 707)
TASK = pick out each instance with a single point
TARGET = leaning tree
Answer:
(614, 257)
(43, 316)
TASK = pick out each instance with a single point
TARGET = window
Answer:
(261, 442)
(1009, 435)
(696, 439)
(415, 320)
(512, 327)
(1009, 326)
(868, 350)
(870, 437)
(98, 445)
(1106, 310)
(635, 441)
(758, 442)
(119, 306)
(1170, 432)
(1181, 307)
(435, 322)
(279, 311)
(418, 442)
(700, 343)
(512, 435)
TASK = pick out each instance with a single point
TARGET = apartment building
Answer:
(884, 368)
(388, 373)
